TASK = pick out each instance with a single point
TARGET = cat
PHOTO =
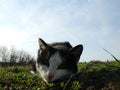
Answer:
(57, 61)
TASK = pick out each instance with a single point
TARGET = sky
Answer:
(93, 23)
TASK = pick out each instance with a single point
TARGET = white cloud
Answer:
(10, 37)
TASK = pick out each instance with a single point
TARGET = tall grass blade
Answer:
(112, 55)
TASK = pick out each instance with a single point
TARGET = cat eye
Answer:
(46, 62)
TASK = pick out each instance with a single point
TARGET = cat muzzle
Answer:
(50, 76)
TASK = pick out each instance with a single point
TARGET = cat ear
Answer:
(42, 44)
(75, 53)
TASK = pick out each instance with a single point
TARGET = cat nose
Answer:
(50, 76)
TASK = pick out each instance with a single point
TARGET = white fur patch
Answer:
(32, 72)
(42, 71)
(54, 61)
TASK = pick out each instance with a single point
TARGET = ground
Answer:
(95, 75)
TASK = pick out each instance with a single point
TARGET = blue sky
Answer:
(93, 23)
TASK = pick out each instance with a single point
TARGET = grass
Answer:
(94, 75)
(19, 78)
(101, 76)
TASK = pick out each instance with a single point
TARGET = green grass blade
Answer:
(111, 55)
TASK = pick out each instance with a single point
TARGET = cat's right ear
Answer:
(42, 44)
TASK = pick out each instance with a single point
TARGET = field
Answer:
(94, 75)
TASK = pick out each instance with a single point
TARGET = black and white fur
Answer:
(57, 61)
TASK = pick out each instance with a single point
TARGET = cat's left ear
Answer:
(42, 44)
(75, 53)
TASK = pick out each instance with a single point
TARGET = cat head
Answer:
(57, 61)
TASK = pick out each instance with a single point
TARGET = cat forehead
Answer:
(55, 58)
(61, 46)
